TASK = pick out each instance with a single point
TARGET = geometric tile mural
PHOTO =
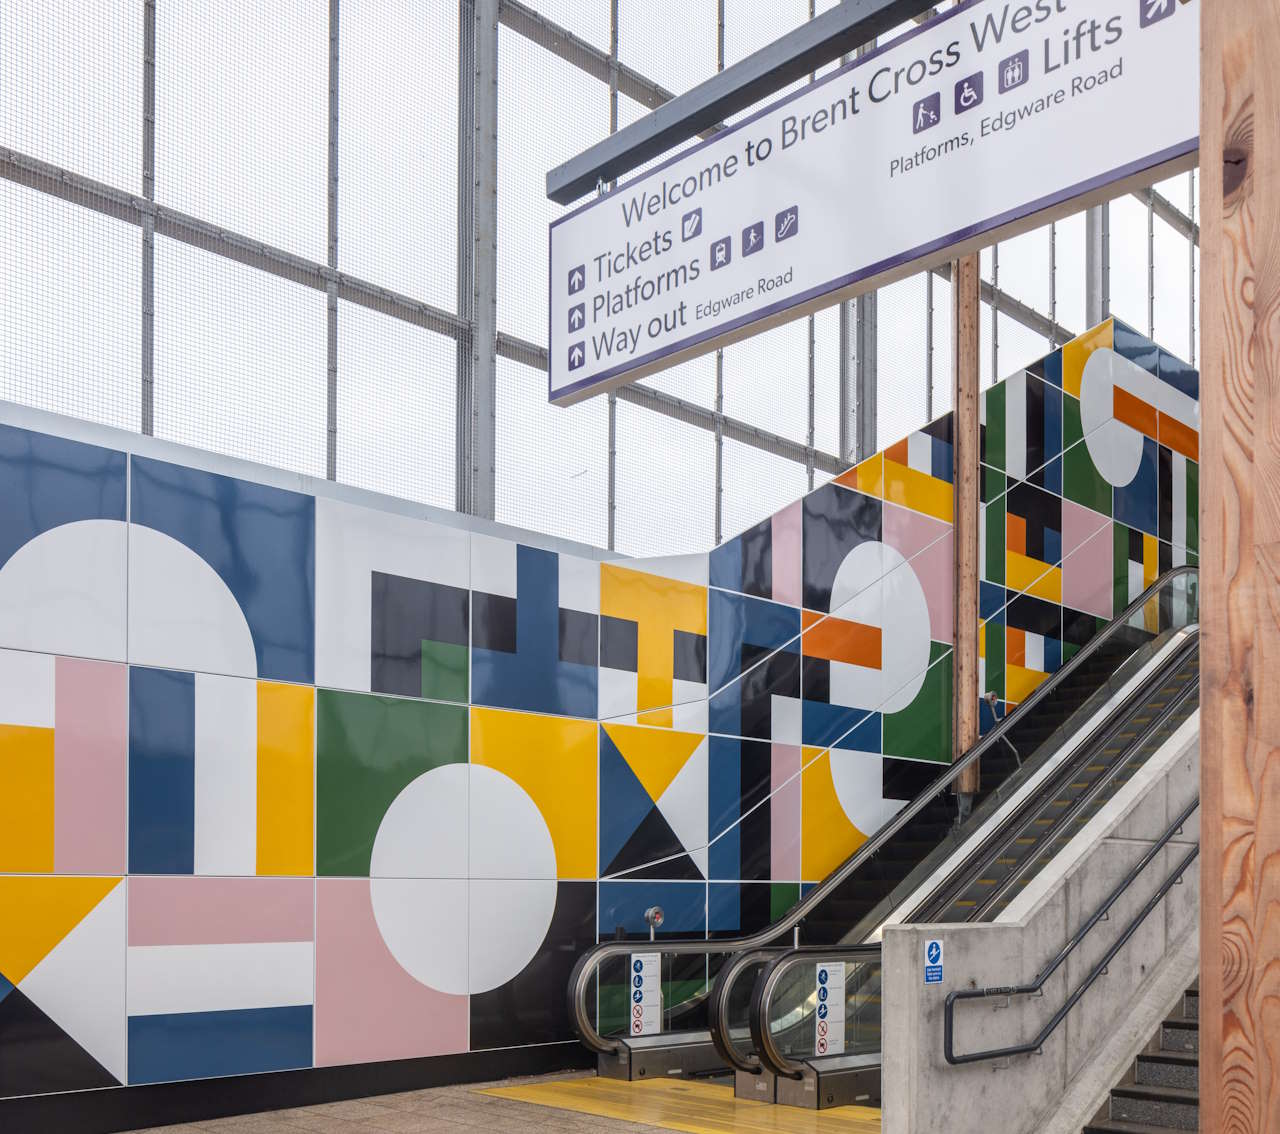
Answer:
(292, 781)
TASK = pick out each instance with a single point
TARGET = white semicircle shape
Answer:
(1114, 447)
(877, 586)
(463, 878)
(64, 592)
(181, 614)
(858, 778)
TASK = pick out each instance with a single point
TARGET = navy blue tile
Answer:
(46, 482)
(162, 772)
(261, 542)
(201, 1045)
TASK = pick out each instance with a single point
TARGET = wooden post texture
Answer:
(1240, 566)
(965, 276)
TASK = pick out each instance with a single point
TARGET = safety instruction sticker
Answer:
(829, 1015)
(646, 994)
(933, 962)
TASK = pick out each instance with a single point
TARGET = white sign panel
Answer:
(646, 994)
(829, 1016)
(933, 962)
(992, 112)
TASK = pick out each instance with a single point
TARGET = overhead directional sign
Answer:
(947, 137)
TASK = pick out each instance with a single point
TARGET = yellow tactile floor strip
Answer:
(698, 1108)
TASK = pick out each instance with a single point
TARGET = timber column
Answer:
(1240, 567)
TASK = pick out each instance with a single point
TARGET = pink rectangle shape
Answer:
(1086, 560)
(784, 814)
(220, 911)
(787, 576)
(928, 546)
(368, 1008)
(90, 761)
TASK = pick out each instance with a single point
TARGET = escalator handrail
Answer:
(584, 968)
(767, 982)
(1012, 825)
(762, 996)
(718, 1006)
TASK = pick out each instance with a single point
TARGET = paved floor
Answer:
(458, 1109)
(569, 1104)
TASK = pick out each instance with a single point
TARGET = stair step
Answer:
(1119, 1126)
(1168, 1069)
(1180, 1035)
(1176, 1107)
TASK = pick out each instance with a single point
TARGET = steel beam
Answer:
(463, 370)
(749, 81)
(484, 377)
(477, 381)
(547, 34)
(1167, 211)
(147, 405)
(331, 290)
(865, 383)
(1014, 309)
(1097, 264)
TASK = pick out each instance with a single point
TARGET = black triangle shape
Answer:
(39, 1057)
(651, 841)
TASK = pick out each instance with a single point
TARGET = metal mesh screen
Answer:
(71, 86)
(70, 306)
(756, 485)
(242, 122)
(316, 184)
(398, 159)
(547, 111)
(239, 360)
(395, 407)
(666, 505)
(554, 478)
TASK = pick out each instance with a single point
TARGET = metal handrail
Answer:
(586, 965)
(1037, 1044)
(718, 1010)
(767, 983)
(771, 1058)
(1001, 840)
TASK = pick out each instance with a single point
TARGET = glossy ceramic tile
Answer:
(221, 574)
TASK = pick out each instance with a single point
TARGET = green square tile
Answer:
(368, 749)
(995, 659)
(782, 896)
(922, 731)
(993, 446)
(445, 673)
(1120, 561)
(994, 548)
(1081, 481)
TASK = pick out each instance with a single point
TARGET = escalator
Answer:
(1080, 730)
(976, 883)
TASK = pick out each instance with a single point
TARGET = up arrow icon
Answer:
(577, 356)
(577, 316)
(577, 279)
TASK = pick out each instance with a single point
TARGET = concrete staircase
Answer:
(1160, 1092)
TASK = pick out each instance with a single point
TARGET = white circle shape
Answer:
(875, 585)
(1114, 447)
(463, 878)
